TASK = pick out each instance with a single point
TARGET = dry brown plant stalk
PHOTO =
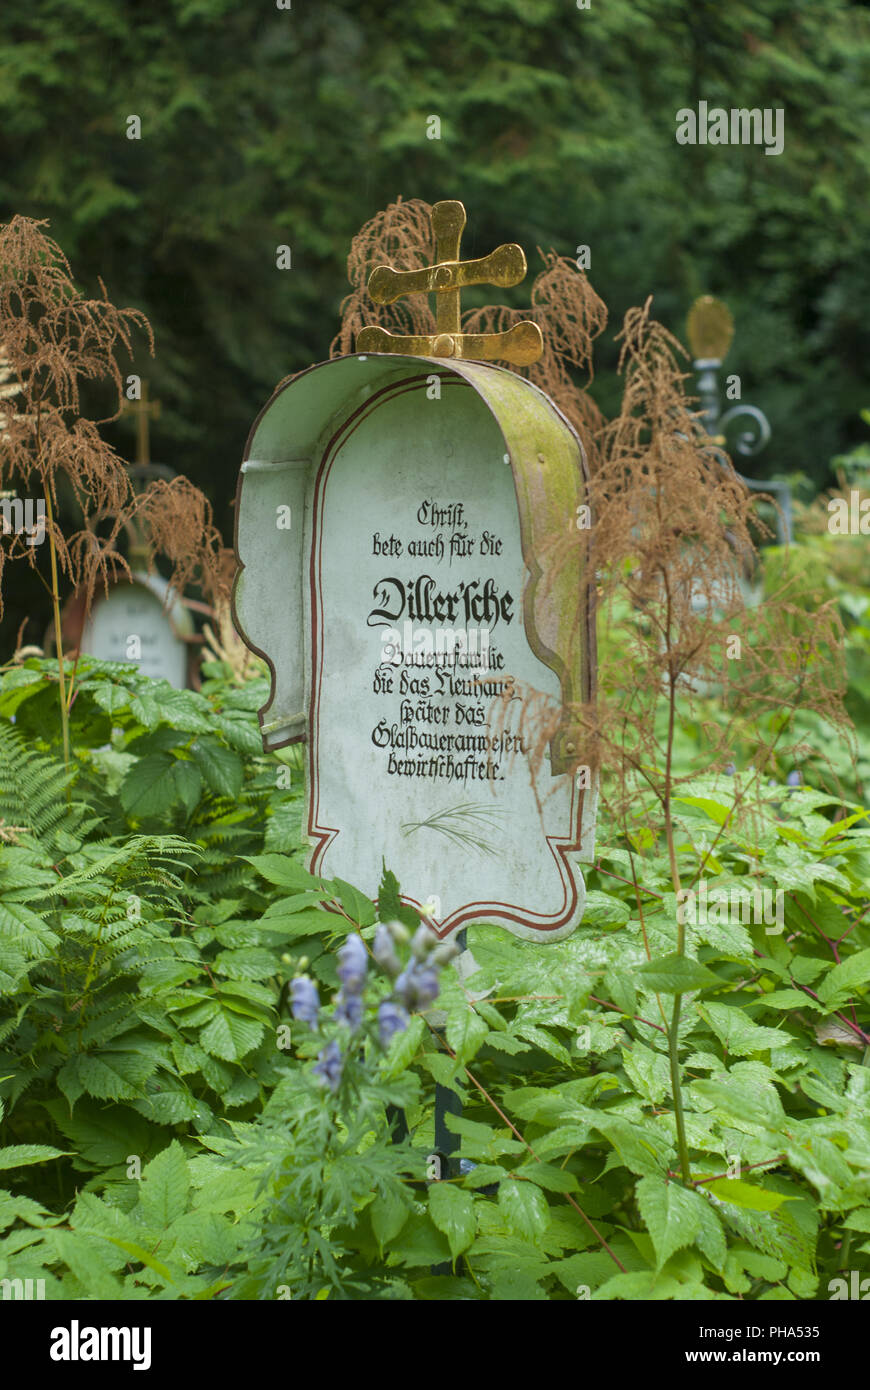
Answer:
(673, 542)
(54, 340)
(400, 236)
(671, 546)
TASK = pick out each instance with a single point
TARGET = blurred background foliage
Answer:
(263, 127)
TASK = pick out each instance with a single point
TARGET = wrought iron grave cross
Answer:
(142, 410)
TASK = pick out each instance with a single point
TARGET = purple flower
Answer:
(399, 933)
(422, 942)
(392, 1019)
(794, 778)
(384, 951)
(444, 952)
(352, 964)
(305, 1001)
(349, 1010)
(329, 1064)
(417, 986)
(730, 770)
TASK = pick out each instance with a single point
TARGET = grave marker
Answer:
(140, 620)
(132, 625)
(401, 521)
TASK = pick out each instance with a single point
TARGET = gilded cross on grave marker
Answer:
(506, 265)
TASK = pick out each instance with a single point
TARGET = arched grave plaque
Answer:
(133, 624)
(397, 527)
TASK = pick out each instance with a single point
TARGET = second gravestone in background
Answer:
(398, 529)
(133, 625)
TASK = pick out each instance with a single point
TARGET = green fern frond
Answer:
(33, 786)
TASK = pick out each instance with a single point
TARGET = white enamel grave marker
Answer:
(396, 527)
(132, 625)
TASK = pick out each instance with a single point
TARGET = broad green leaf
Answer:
(287, 907)
(549, 1176)
(484, 1175)
(300, 922)
(452, 1211)
(248, 963)
(480, 1141)
(648, 1070)
(150, 786)
(675, 974)
(19, 1208)
(111, 698)
(543, 1039)
(283, 872)
(184, 709)
(389, 1212)
(524, 1208)
(776, 1233)
(716, 810)
(711, 1237)
(164, 1187)
(756, 1102)
(115, 1075)
(745, 1194)
(90, 1261)
(739, 1035)
(103, 1135)
(419, 1243)
(858, 1220)
(22, 1155)
(844, 979)
(131, 1248)
(240, 733)
(644, 1151)
(403, 1047)
(672, 1214)
(188, 782)
(785, 999)
(443, 1069)
(602, 909)
(230, 1036)
(221, 768)
(144, 705)
(359, 908)
(13, 968)
(466, 1030)
(822, 1163)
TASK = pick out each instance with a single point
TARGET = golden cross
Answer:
(142, 409)
(505, 266)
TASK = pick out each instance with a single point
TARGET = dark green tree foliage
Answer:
(264, 127)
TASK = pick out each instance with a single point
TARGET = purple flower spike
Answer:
(794, 778)
(427, 986)
(304, 1000)
(384, 951)
(353, 964)
(417, 986)
(392, 1019)
(329, 1064)
(349, 1010)
(422, 942)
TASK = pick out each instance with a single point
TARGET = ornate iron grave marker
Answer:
(410, 567)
